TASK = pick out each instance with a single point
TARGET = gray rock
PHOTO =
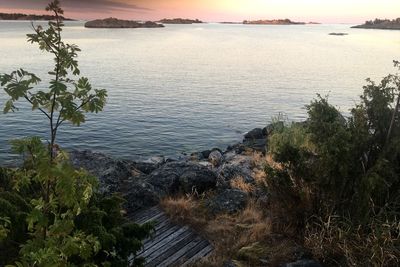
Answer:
(259, 145)
(110, 172)
(182, 176)
(303, 263)
(206, 153)
(215, 157)
(140, 194)
(256, 133)
(235, 166)
(228, 201)
(196, 156)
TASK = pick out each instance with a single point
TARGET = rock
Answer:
(140, 194)
(256, 133)
(235, 166)
(338, 33)
(110, 172)
(228, 201)
(259, 145)
(206, 153)
(158, 160)
(182, 176)
(118, 23)
(303, 263)
(196, 156)
(215, 157)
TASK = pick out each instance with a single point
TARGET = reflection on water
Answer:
(184, 87)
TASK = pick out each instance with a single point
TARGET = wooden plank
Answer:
(179, 254)
(201, 254)
(191, 253)
(157, 258)
(149, 218)
(171, 244)
(168, 231)
(142, 212)
(159, 246)
(144, 216)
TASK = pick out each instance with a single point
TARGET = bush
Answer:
(337, 179)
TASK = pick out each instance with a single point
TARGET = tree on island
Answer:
(50, 213)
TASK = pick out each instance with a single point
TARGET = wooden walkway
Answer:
(171, 244)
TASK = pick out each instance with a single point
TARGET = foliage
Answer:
(67, 99)
(343, 168)
(51, 213)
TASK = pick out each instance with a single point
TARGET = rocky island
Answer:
(20, 16)
(382, 24)
(273, 22)
(118, 23)
(180, 21)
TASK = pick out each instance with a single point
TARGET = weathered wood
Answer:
(171, 244)
(169, 240)
(181, 252)
(201, 254)
(167, 251)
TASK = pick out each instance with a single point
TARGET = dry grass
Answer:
(229, 234)
(239, 183)
(336, 241)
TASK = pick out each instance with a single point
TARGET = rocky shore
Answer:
(144, 184)
(118, 23)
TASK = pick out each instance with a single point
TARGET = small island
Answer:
(338, 33)
(381, 24)
(118, 23)
(20, 16)
(180, 21)
(273, 22)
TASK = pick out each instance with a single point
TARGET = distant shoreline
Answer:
(380, 24)
(29, 17)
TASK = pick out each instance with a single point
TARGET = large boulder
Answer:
(110, 172)
(256, 133)
(235, 166)
(139, 194)
(186, 177)
(228, 201)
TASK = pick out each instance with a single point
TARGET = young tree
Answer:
(67, 99)
(48, 209)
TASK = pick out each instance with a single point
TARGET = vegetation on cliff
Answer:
(383, 24)
(180, 21)
(273, 22)
(20, 16)
(119, 23)
(50, 213)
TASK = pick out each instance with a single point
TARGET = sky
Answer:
(325, 11)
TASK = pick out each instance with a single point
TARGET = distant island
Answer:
(180, 21)
(20, 16)
(118, 23)
(338, 33)
(382, 24)
(273, 22)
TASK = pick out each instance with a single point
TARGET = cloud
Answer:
(83, 5)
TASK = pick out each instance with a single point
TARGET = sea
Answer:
(186, 88)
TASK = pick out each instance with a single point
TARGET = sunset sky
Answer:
(329, 11)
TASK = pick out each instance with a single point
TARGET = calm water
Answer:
(190, 87)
